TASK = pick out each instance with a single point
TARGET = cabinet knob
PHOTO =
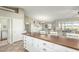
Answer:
(44, 49)
(44, 43)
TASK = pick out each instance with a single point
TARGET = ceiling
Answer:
(50, 12)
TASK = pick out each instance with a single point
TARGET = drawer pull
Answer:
(44, 49)
(44, 43)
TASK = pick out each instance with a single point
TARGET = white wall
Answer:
(16, 24)
(18, 28)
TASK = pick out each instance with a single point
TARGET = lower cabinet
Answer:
(37, 45)
(28, 43)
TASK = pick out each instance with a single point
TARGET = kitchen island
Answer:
(49, 43)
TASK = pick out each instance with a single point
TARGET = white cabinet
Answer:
(28, 43)
(72, 35)
(59, 48)
(51, 47)
(45, 46)
(37, 45)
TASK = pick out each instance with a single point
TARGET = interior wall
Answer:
(16, 24)
(31, 25)
(18, 28)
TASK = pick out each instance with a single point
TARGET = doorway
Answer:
(4, 26)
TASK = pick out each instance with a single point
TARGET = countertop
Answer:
(60, 40)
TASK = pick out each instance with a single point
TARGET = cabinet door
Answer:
(60, 48)
(28, 43)
(45, 46)
(36, 45)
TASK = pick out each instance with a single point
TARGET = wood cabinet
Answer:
(37, 45)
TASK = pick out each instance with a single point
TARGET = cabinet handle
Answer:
(44, 43)
(44, 49)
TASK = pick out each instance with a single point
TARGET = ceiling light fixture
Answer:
(41, 18)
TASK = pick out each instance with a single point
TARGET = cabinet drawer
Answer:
(46, 44)
(60, 48)
(46, 49)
